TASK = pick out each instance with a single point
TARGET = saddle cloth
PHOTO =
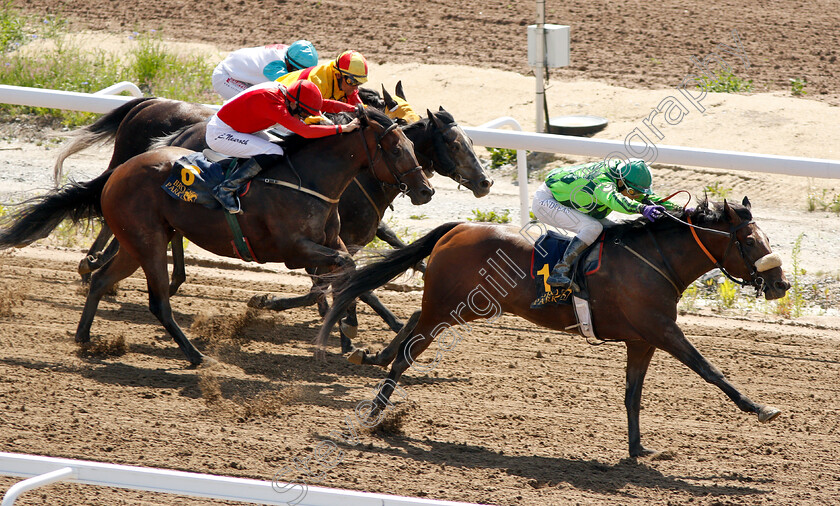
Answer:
(548, 249)
(193, 178)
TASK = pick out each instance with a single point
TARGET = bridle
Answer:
(372, 161)
(755, 280)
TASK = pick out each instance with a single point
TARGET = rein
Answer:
(403, 188)
(757, 281)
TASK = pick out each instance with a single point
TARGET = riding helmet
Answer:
(301, 55)
(352, 66)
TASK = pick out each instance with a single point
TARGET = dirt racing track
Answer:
(512, 415)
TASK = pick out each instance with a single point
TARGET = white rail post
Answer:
(521, 168)
(36, 481)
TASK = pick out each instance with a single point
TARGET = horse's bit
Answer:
(402, 186)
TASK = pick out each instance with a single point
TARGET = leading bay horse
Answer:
(283, 224)
(479, 271)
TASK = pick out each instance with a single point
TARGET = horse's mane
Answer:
(444, 116)
(706, 213)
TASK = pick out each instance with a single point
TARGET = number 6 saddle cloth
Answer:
(193, 178)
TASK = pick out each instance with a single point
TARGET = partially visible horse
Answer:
(479, 271)
(283, 223)
(439, 143)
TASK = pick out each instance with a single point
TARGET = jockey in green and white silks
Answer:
(579, 197)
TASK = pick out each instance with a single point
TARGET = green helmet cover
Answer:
(636, 174)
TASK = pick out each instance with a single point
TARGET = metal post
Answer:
(540, 66)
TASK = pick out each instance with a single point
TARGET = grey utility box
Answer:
(556, 45)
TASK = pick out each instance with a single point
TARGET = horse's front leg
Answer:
(674, 342)
(639, 354)
(390, 318)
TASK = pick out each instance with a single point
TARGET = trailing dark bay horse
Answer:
(439, 143)
(282, 224)
(479, 271)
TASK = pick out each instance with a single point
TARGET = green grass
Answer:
(69, 67)
(724, 82)
(490, 216)
(824, 202)
(499, 157)
(12, 32)
(797, 87)
(717, 190)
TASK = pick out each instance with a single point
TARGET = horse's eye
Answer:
(396, 151)
(750, 241)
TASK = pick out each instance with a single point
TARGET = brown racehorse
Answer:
(479, 271)
(439, 144)
(282, 224)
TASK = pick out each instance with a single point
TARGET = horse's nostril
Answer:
(486, 183)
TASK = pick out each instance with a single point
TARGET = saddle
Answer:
(194, 176)
(548, 249)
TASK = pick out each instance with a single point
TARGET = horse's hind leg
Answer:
(675, 343)
(91, 261)
(638, 359)
(179, 272)
(119, 268)
(157, 279)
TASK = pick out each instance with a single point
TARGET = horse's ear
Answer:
(398, 90)
(730, 213)
(746, 203)
(390, 103)
(438, 123)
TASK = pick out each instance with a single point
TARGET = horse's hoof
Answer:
(643, 452)
(768, 414)
(258, 301)
(349, 330)
(357, 356)
(206, 363)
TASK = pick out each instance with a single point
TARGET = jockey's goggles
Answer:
(351, 80)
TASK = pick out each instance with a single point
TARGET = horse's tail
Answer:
(374, 275)
(39, 216)
(101, 131)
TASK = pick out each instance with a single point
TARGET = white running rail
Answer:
(489, 135)
(46, 470)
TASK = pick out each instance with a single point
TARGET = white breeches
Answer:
(227, 141)
(551, 212)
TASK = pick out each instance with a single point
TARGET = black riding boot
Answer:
(560, 275)
(225, 192)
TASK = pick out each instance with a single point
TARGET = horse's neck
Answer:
(327, 165)
(381, 196)
(677, 252)
(422, 138)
